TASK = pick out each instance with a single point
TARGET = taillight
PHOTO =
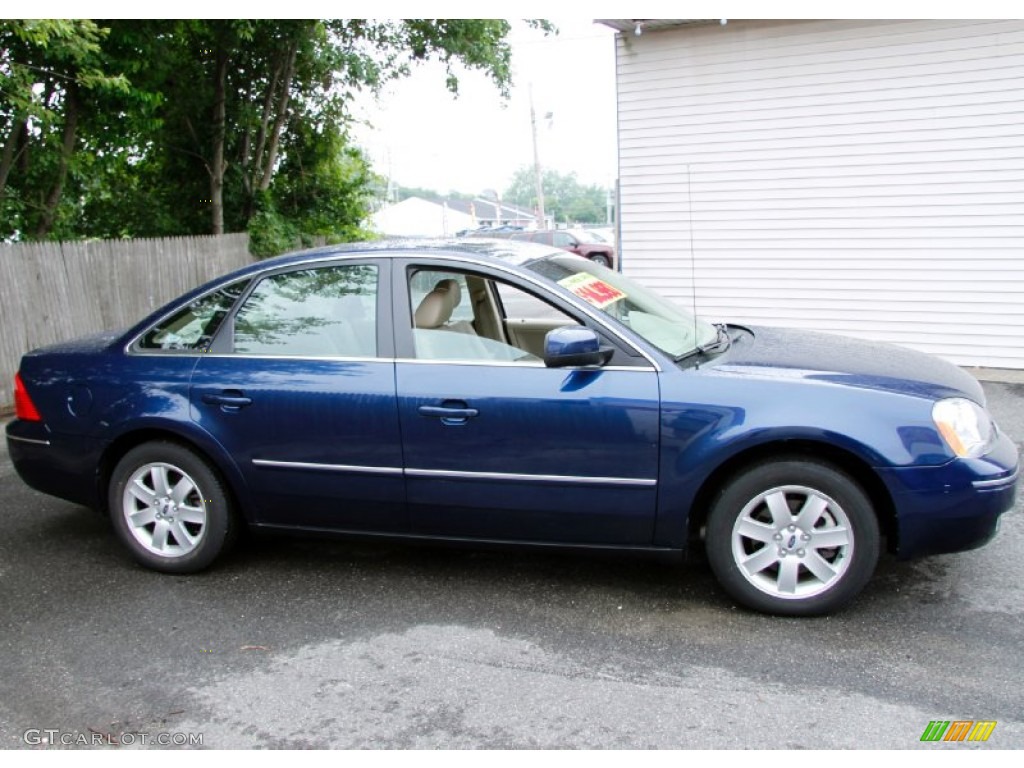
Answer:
(24, 408)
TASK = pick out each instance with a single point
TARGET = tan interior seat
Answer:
(436, 308)
(436, 336)
(434, 311)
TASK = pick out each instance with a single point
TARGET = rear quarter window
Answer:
(192, 327)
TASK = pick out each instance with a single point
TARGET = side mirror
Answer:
(574, 346)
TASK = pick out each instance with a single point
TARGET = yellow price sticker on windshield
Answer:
(592, 289)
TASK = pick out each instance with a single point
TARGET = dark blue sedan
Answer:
(496, 392)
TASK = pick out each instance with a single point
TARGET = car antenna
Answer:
(693, 266)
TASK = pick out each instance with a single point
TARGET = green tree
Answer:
(324, 190)
(51, 73)
(565, 198)
(208, 123)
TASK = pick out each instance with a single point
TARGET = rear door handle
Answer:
(449, 416)
(229, 399)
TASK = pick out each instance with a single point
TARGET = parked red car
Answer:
(569, 240)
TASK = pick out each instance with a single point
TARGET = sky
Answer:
(422, 136)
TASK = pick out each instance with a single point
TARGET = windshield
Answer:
(657, 320)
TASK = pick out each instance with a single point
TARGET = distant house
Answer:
(416, 217)
(861, 177)
(489, 213)
(421, 217)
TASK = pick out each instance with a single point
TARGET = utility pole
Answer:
(390, 193)
(542, 221)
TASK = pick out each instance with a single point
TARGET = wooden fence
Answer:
(52, 292)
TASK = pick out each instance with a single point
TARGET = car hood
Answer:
(788, 353)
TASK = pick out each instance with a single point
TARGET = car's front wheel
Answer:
(600, 258)
(792, 537)
(170, 508)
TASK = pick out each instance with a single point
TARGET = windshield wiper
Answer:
(721, 343)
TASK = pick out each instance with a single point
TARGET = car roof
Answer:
(500, 250)
(497, 251)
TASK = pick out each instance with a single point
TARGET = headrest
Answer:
(452, 287)
(434, 310)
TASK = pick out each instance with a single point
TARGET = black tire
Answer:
(180, 532)
(600, 258)
(792, 567)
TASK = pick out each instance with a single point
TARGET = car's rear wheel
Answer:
(793, 537)
(600, 258)
(170, 508)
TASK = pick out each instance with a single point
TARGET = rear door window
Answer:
(321, 312)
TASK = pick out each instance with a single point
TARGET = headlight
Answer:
(964, 425)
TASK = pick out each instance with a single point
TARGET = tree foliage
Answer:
(51, 74)
(172, 127)
(565, 198)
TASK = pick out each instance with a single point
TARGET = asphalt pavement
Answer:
(296, 643)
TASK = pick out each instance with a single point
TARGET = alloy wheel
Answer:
(164, 509)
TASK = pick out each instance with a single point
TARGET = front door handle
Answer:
(450, 416)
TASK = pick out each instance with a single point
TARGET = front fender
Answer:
(724, 416)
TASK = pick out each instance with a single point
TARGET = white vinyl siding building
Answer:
(857, 177)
